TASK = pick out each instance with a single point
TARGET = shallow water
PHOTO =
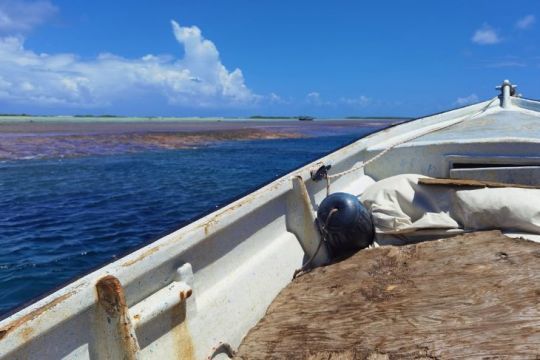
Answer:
(63, 139)
(60, 218)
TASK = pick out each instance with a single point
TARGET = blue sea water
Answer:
(61, 218)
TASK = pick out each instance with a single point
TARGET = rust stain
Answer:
(185, 294)
(215, 220)
(207, 229)
(26, 333)
(206, 226)
(112, 300)
(110, 295)
(31, 316)
(142, 256)
(184, 348)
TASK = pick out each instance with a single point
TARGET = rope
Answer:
(327, 185)
(324, 234)
(222, 348)
(369, 161)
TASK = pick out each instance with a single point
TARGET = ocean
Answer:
(62, 216)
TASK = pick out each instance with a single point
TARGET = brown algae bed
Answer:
(57, 140)
(49, 139)
(21, 147)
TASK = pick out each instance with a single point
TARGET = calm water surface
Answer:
(60, 218)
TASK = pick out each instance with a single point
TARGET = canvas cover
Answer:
(399, 204)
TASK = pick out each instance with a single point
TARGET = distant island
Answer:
(76, 115)
(172, 118)
(17, 115)
(377, 117)
(299, 117)
(307, 117)
(264, 117)
(98, 116)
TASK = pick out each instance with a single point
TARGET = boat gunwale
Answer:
(218, 209)
(189, 237)
(182, 225)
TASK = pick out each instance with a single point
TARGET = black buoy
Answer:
(345, 224)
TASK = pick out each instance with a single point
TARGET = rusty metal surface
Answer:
(118, 339)
(141, 256)
(160, 302)
(5, 330)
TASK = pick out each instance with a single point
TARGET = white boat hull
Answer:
(211, 281)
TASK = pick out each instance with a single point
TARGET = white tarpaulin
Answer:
(400, 205)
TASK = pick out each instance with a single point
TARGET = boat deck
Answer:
(517, 124)
(470, 296)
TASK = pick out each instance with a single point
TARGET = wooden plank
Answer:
(470, 183)
(471, 296)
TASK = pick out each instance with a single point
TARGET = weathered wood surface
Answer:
(471, 183)
(471, 296)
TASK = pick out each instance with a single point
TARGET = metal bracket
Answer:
(116, 322)
(320, 173)
(117, 339)
(507, 90)
(300, 220)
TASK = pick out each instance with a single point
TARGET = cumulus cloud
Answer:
(525, 22)
(274, 98)
(486, 35)
(471, 99)
(19, 17)
(504, 64)
(314, 98)
(361, 101)
(199, 79)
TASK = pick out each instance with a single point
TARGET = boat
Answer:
(197, 292)
(306, 118)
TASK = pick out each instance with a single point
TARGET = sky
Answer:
(242, 58)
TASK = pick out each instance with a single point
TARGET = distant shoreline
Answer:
(128, 119)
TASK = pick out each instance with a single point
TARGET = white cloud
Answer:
(525, 22)
(361, 101)
(313, 97)
(274, 98)
(19, 17)
(471, 99)
(486, 35)
(197, 80)
(509, 63)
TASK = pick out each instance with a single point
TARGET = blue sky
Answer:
(238, 58)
